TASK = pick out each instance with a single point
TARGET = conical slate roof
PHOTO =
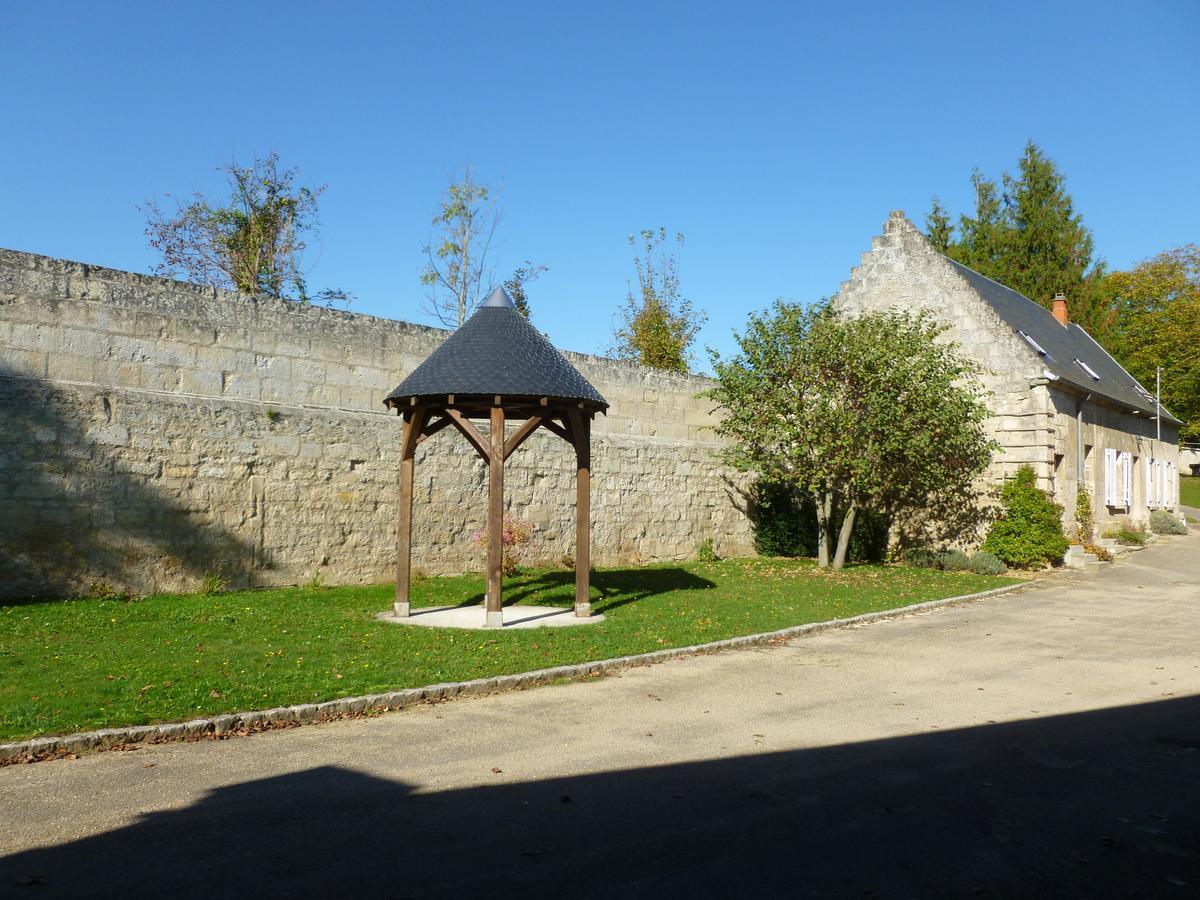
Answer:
(496, 351)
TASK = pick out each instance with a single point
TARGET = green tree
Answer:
(515, 285)
(937, 225)
(871, 413)
(982, 237)
(456, 273)
(1157, 309)
(657, 325)
(1027, 235)
(254, 242)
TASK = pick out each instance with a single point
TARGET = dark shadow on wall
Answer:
(616, 587)
(1098, 804)
(785, 523)
(73, 518)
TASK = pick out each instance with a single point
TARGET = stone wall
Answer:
(152, 432)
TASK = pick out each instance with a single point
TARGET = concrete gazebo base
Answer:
(514, 617)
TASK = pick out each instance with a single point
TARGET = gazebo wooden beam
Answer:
(493, 613)
(581, 432)
(414, 423)
(434, 427)
(553, 427)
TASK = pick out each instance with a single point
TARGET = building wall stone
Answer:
(1033, 417)
(154, 431)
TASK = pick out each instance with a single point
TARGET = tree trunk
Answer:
(464, 285)
(839, 558)
(824, 507)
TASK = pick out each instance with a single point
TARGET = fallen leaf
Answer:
(496, 771)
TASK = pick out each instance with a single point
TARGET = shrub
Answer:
(214, 583)
(921, 557)
(1162, 522)
(1084, 523)
(953, 561)
(705, 552)
(102, 590)
(945, 560)
(785, 524)
(984, 563)
(1029, 532)
(1127, 534)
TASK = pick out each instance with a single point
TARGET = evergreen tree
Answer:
(938, 227)
(1029, 237)
(981, 245)
(1049, 249)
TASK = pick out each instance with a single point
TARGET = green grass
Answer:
(1189, 490)
(79, 664)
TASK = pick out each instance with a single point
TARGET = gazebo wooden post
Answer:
(414, 423)
(582, 439)
(495, 557)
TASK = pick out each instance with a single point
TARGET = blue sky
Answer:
(775, 136)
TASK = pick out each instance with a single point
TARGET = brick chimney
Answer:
(1060, 309)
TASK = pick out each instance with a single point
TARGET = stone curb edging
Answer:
(304, 713)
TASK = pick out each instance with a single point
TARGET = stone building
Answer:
(1060, 402)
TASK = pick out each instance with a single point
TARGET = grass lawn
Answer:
(1189, 490)
(79, 664)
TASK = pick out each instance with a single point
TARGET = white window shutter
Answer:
(1110, 477)
(1169, 485)
(1159, 493)
(1148, 482)
(1127, 479)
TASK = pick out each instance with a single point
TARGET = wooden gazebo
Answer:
(498, 368)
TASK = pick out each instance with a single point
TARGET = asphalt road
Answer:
(1043, 743)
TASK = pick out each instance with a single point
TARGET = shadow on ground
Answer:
(617, 587)
(1093, 804)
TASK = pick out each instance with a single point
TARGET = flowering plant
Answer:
(515, 534)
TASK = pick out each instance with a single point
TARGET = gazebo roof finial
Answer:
(499, 297)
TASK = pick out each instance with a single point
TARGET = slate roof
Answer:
(1062, 349)
(497, 351)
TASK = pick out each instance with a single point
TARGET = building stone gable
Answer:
(903, 269)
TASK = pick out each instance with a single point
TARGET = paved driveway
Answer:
(1044, 742)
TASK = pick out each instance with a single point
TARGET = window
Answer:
(1056, 484)
(1118, 478)
(1110, 476)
